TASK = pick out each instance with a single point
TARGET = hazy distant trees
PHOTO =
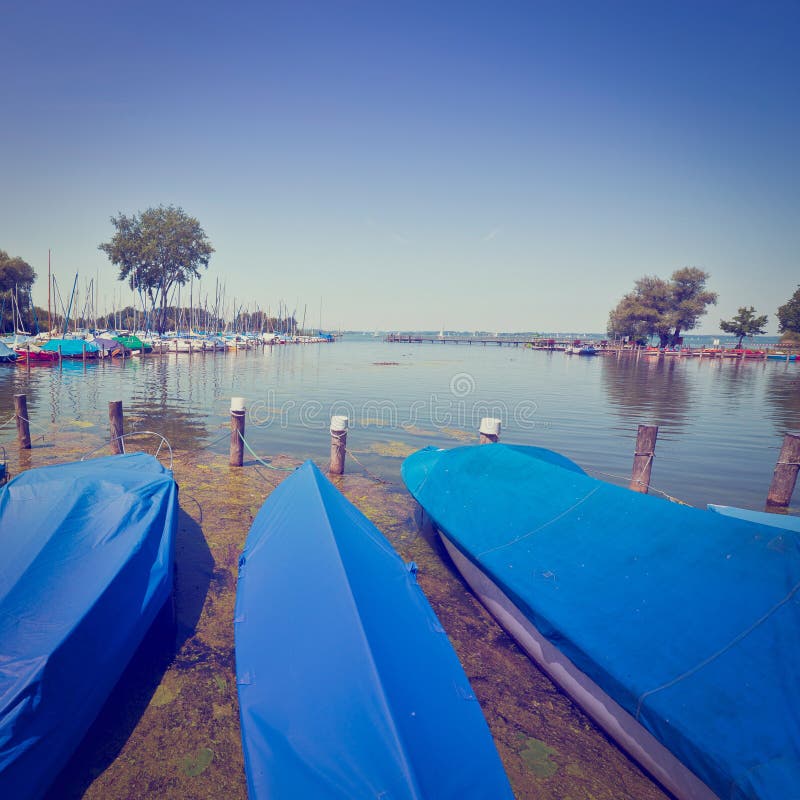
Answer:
(15, 273)
(16, 278)
(745, 323)
(666, 309)
(789, 316)
(157, 250)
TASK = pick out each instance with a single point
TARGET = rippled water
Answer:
(721, 421)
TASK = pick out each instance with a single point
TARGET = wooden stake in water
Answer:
(23, 428)
(489, 430)
(237, 432)
(117, 432)
(643, 458)
(785, 476)
(338, 444)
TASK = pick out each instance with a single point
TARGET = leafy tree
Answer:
(157, 250)
(789, 315)
(16, 279)
(745, 323)
(15, 273)
(662, 308)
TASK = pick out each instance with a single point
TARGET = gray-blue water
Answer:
(721, 422)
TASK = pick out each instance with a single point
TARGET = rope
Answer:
(369, 474)
(216, 441)
(261, 461)
(10, 419)
(641, 483)
(719, 652)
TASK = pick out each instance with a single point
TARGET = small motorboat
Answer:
(88, 553)
(348, 684)
(675, 628)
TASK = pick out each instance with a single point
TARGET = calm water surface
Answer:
(721, 421)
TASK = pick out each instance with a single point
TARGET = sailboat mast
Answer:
(49, 283)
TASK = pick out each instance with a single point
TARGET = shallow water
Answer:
(721, 421)
(171, 730)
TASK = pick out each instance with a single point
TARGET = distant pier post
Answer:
(23, 427)
(237, 432)
(338, 444)
(489, 430)
(83, 350)
(785, 476)
(117, 432)
(643, 458)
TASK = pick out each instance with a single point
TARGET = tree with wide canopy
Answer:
(157, 250)
(662, 308)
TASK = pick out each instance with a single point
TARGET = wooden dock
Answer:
(499, 341)
(601, 347)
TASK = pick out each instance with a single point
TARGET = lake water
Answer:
(721, 421)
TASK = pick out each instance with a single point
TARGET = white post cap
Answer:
(338, 423)
(237, 403)
(490, 426)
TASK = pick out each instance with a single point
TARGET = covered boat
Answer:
(109, 347)
(133, 343)
(6, 353)
(87, 563)
(348, 685)
(72, 348)
(675, 628)
(34, 354)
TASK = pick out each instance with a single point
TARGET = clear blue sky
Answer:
(476, 165)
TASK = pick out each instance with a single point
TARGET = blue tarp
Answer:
(87, 563)
(348, 685)
(70, 347)
(689, 619)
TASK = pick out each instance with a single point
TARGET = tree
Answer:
(789, 315)
(662, 308)
(16, 278)
(15, 273)
(745, 323)
(157, 250)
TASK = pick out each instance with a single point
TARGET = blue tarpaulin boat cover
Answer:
(86, 564)
(348, 685)
(689, 619)
(70, 347)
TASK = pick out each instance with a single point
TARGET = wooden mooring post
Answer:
(237, 432)
(23, 427)
(785, 476)
(116, 424)
(643, 458)
(338, 444)
(489, 430)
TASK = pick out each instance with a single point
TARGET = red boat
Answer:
(34, 355)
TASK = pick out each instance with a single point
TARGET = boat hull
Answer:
(348, 685)
(608, 714)
(88, 552)
(684, 618)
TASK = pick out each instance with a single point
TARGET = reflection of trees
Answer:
(783, 395)
(738, 382)
(654, 390)
(163, 400)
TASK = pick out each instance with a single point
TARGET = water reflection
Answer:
(653, 390)
(783, 396)
(170, 400)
